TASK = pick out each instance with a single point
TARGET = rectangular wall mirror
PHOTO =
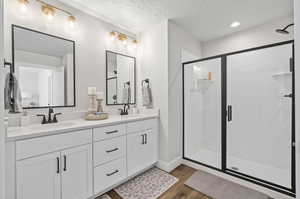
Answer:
(45, 67)
(120, 79)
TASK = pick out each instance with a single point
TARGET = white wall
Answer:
(178, 39)
(90, 35)
(161, 54)
(2, 130)
(297, 89)
(257, 36)
(154, 65)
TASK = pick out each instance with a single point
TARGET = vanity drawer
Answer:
(109, 174)
(107, 150)
(42, 145)
(108, 132)
(143, 125)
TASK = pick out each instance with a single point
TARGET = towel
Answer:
(12, 94)
(126, 95)
(147, 96)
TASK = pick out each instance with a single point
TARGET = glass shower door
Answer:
(202, 112)
(259, 121)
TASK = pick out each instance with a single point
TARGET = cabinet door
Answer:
(142, 150)
(76, 173)
(151, 151)
(39, 177)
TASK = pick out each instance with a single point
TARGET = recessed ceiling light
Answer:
(235, 24)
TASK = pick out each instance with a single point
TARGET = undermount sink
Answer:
(53, 125)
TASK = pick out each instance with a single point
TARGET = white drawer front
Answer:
(37, 146)
(143, 125)
(108, 132)
(109, 174)
(107, 150)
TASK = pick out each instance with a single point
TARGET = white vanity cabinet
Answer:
(63, 174)
(142, 145)
(109, 156)
(80, 164)
(38, 177)
(120, 156)
(142, 150)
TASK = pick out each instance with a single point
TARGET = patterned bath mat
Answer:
(219, 188)
(105, 196)
(149, 185)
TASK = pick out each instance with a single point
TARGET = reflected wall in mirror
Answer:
(120, 79)
(45, 67)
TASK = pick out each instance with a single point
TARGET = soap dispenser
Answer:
(25, 119)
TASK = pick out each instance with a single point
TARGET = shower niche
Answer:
(241, 119)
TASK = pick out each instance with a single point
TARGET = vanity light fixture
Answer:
(23, 5)
(123, 38)
(235, 24)
(49, 10)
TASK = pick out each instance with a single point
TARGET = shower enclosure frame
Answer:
(272, 186)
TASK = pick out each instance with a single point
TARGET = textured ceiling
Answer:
(206, 19)
(136, 15)
(215, 17)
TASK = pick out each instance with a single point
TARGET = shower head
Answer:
(284, 30)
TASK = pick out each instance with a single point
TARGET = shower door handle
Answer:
(289, 95)
(229, 113)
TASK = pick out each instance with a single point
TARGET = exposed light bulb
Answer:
(50, 16)
(49, 11)
(71, 21)
(24, 6)
(123, 38)
(112, 36)
(134, 44)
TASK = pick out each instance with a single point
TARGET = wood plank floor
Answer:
(179, 190)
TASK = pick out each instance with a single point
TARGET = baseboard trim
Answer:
(169, 166)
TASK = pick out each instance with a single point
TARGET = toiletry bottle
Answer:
(210, 76)
(25, 119)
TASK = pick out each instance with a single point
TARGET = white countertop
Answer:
(38, 130)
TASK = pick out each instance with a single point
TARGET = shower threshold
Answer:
(265, 172)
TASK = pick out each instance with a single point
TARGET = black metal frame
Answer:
(106, 74)
(13, 26)
(275, 187)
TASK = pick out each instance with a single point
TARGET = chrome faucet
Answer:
(50, 119)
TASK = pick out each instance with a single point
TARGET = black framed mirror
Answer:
(120, 79)
(45, 67)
